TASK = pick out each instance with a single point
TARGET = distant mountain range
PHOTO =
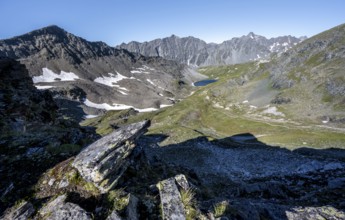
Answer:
(96, 74)
(196, 52)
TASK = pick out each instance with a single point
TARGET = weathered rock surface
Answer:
(104, 161)
(311, 213)
(114, 216)
(58, 209)
(172, 207)
(132, 207)
(182, 181)
(23, 212)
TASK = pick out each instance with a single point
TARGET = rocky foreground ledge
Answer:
(104, 161)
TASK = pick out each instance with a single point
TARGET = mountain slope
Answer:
(193, 51)
(312, 76)
(98, 75)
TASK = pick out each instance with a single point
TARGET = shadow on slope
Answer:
(33, 135)
(255, 180)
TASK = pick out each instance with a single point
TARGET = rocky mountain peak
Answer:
(51, 29)
(196, 52)
(251, 35)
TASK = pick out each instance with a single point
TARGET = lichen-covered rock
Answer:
(50, 206)
(311, 213)
(70, 211)
(104, 161)
(172, 207)
(58, 209)
(182, 181)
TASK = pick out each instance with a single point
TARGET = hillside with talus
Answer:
(195, 52)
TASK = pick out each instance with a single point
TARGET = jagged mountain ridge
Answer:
(196, 52)
(104, 75)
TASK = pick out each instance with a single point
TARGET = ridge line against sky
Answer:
(118, 21)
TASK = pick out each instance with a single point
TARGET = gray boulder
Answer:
(114, 216)
(172, 207)
(104, 161)
(70, 211)
(58, 209)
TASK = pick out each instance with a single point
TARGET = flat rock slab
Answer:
(172, 207)
(104, 161)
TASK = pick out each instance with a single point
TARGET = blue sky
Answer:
(117, 21)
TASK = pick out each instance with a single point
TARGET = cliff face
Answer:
(196, 52)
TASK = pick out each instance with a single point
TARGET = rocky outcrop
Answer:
(171, 203)
(60, 209)
(24, 211)
(104, 161)
(196, 52)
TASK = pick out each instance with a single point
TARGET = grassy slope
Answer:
(216, 111)
(313, 65)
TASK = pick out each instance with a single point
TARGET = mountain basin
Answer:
(204, 82)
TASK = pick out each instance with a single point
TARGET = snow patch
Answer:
(245, 101)
(123, 88)
(273, 111)
(91, 116)
(115, 106)
(137, 71)
(43, 87)
(106, 106)
(49, 76)
(152, 83)
(144, 69)
(123, 93)
(111, 80)
(149, 68)
(163, 105)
